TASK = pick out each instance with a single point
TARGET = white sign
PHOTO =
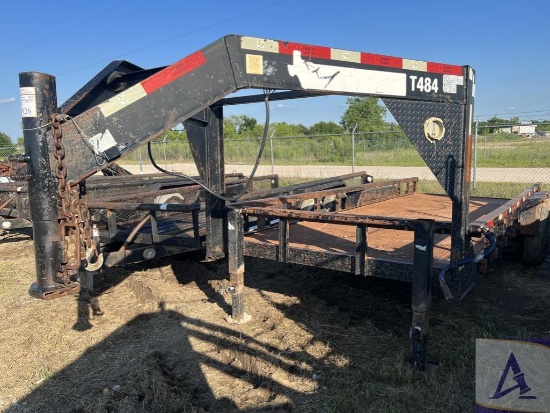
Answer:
(28, 102)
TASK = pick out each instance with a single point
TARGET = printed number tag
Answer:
(424, 84)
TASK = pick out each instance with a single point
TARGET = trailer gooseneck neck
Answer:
(125, 107)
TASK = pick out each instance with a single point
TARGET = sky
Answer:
(506, 42)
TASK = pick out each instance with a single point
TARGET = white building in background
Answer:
(527, 130)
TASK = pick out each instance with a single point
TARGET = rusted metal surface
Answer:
(8, 201)
(348, 197)
(337, 235)
(497, 216)
(317, 185)
(6, 168)
(530, 217)
(134, 206)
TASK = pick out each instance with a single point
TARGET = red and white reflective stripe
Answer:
(321, 52)
(152, 83)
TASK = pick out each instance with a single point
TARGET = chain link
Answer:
(74, 208)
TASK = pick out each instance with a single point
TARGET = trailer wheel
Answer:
(533, 247)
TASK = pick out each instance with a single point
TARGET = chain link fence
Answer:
(503, 164)
(9, 150)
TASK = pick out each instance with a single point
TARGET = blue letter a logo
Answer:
(518, 377)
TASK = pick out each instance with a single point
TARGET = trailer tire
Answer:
(533, 247)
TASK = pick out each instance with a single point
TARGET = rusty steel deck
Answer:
(390, 245)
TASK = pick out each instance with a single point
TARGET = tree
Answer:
(5, 141)
(288, 129)
(366, 113)
(326, 128)
(174, 135)
(242, 123)
(493, 125)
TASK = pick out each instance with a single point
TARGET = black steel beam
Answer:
(422, 288)
(205, 138)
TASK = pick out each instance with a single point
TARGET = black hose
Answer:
(488, 234)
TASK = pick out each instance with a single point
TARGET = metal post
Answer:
(353, 149)
(235, 256)
(422, 288)
(140, 161)
(38, 102)
(474, 175)
(271, 146)
(164, 150)
(205, 136)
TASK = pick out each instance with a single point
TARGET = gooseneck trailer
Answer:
(83, 223)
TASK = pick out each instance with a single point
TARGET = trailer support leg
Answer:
(422, 289)
(39, 101)
(205, 135)
(235, 254)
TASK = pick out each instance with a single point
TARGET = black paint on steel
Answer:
(349, 197)
(345, 262)
(422, 281)
(235, 257)
(42, 184)
(98, 89)
(449, 160)
(135, 206)
(310, 186)
(240, 100)
(360, 249)
(205, 138)
(284, 233)
(215, 71)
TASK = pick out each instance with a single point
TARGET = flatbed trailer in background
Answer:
(83, 224)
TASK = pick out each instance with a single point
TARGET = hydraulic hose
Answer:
(488, 234)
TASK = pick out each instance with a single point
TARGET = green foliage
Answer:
(288, 129)
(5, 141)
(175, 135)
(366, 113)
(241, 126)
(326, 128)
(493, 125)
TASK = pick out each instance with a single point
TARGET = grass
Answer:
(500, 151)
(506, 190)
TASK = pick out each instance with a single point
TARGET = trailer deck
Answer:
(383, 244)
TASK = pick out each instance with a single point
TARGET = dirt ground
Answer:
(317, 341)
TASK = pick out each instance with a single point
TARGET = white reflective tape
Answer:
(163, 207)
(421, 247)
(122, 100)
(256, 43)
(345, 79)
(345, 55)
(415, 65)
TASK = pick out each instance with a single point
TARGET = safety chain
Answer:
(78, 243)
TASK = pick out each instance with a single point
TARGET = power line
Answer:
(531, 112)
(66, 29)
(167, 40)
(174, 38)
